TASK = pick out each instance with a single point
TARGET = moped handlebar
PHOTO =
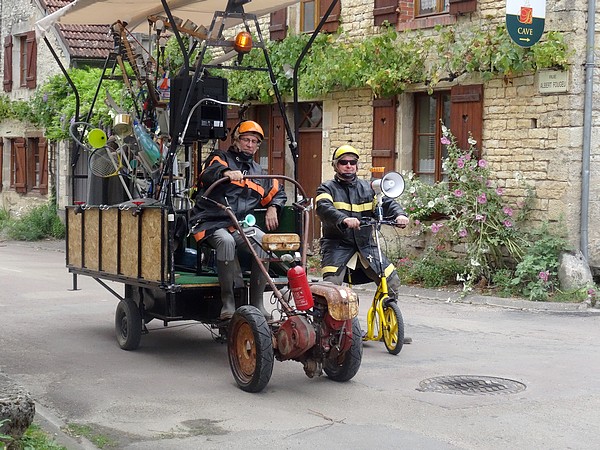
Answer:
(370, 221)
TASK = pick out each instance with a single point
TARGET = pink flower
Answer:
(467, 157)
(482, 198)
(458, 193)
(417, 222)
(544, 276)
(480, 217)
(436, 227)
(499, 191)
(482, 163)
(508, 211)
(444, 140)
(462, 233)
(507, 223)
(460, 163)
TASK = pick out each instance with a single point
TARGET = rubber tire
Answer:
(128, 324)
(250, 349)
(393, 338)
(352, 359)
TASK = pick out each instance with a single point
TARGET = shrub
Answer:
(434, 269)
(38, 223)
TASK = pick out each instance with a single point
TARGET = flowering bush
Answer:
(476, 212)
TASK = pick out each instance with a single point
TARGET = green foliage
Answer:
(54, 104)
(38, 223)
(36, 438)
(434, 269)
(476, 213)
(389, 62)
(537, 272)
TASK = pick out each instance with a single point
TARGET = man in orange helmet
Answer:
(211, 224)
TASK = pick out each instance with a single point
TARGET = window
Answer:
(27, 68)
(311, 12)
(428, 152)
(429, 7)
(461, 110)
(308, 15)
(29, 165)
(23, 60)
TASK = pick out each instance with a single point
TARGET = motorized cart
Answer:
(139, 242)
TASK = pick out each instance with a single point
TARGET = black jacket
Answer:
(243, 196)
(337, 199)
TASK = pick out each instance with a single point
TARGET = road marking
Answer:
(10, 270)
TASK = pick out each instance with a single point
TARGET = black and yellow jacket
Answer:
(243, 196)
(337, 199)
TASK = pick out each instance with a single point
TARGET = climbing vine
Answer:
(387, 63)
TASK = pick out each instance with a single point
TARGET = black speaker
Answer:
(209, 120)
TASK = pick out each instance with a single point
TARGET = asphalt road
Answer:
(177, 392)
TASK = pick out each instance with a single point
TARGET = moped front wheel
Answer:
(393, 332)
(250, 349)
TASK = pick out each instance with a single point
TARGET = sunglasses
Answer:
(345, 162)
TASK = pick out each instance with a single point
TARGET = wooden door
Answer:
(384, 135)
(309, 171)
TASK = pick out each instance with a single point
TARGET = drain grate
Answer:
(471, 385)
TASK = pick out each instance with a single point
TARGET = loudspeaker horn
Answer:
(391, 185)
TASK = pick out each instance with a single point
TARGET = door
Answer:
(311, 156)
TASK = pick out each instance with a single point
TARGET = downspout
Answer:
(587, 128)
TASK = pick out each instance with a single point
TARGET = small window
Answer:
(29, 165)
(428, 151)
(308, 15)
(431, 7)
(23, 60)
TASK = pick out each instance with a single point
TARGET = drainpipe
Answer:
(587, 128)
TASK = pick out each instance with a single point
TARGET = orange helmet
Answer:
(250, 126)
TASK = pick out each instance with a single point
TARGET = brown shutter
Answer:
(31, 60)
(333, 21)
(384, 133)
(43, 157)
(277, 150)
(20, 165)
(459, 7)
(466, 114)
(278, 28)
(8, 81)
(385, 10)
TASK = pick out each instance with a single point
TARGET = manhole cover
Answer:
(471, 385)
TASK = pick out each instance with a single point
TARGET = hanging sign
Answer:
(525, 20)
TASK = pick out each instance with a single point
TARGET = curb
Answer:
(52, 425)
(476, 299)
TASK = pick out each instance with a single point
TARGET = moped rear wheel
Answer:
(393, 333)
(345, 369)
(250, 349)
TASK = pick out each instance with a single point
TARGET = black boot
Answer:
(258, 283)
(227, 274)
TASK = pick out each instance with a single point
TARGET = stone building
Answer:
(524, 130)
(29, 163)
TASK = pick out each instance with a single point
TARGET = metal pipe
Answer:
(587, 128)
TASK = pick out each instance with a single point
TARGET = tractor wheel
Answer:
(250, 349)
(348, 367)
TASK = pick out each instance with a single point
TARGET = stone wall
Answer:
(19, 17)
